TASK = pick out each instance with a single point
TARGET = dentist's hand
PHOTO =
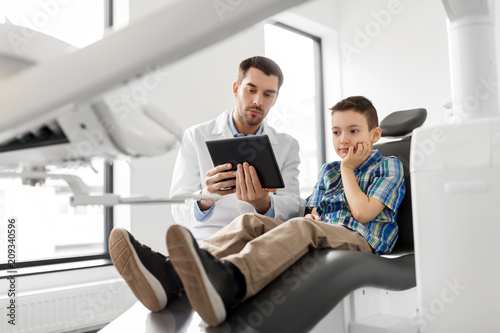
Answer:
(249, 189)
(218, 178)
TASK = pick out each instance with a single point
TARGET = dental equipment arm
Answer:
(68, 106)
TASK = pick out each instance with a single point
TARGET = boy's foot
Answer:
(208, 282)
(147, 273)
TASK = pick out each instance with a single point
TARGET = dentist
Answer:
(256, 91)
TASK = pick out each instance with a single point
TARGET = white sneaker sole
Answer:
(201, 294)
(143, 284)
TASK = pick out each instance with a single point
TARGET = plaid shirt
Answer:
(379, 177)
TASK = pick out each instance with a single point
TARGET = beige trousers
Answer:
(262, 247)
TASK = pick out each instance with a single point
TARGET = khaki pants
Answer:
(262, 247)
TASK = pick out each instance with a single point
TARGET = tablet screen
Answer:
(256, 150)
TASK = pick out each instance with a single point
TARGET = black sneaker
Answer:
(208, 281)
(146, 272)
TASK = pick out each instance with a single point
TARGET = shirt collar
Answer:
(235, 131)
(370, 160)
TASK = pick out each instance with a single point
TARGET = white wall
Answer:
(394, 52)
(400, 63)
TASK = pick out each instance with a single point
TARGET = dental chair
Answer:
(305, 293)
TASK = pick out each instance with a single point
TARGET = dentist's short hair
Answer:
(266, 65)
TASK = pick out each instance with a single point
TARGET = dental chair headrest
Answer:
(401, 123)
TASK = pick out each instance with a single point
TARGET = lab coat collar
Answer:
(221, 128)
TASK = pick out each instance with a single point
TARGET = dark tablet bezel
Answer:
(256, 150)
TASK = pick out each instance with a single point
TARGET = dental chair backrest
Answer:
(399, 125)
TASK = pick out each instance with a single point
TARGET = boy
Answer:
(355, 204)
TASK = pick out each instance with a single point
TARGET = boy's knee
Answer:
(250, 219)
(299, 220)
(251, 215)
(301, 224)
(257, 224)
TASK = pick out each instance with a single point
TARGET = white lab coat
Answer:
(193, 162)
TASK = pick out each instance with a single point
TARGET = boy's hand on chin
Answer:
(356, 155)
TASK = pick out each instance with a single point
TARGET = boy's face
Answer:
(349, 128)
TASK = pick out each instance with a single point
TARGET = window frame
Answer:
(319, 87)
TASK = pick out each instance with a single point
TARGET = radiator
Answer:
(68, 309)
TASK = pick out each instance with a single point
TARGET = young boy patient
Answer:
(355, 203)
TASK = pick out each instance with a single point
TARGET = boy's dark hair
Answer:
(268, 66)
(359, 104)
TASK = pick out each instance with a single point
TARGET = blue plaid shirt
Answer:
(379, 177)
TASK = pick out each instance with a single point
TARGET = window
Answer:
(47, 226)
(299, 109)
(78, 23)
(49, 229)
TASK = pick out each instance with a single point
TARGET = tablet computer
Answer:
(256, 150)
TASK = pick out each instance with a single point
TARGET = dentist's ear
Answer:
(235, 88)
